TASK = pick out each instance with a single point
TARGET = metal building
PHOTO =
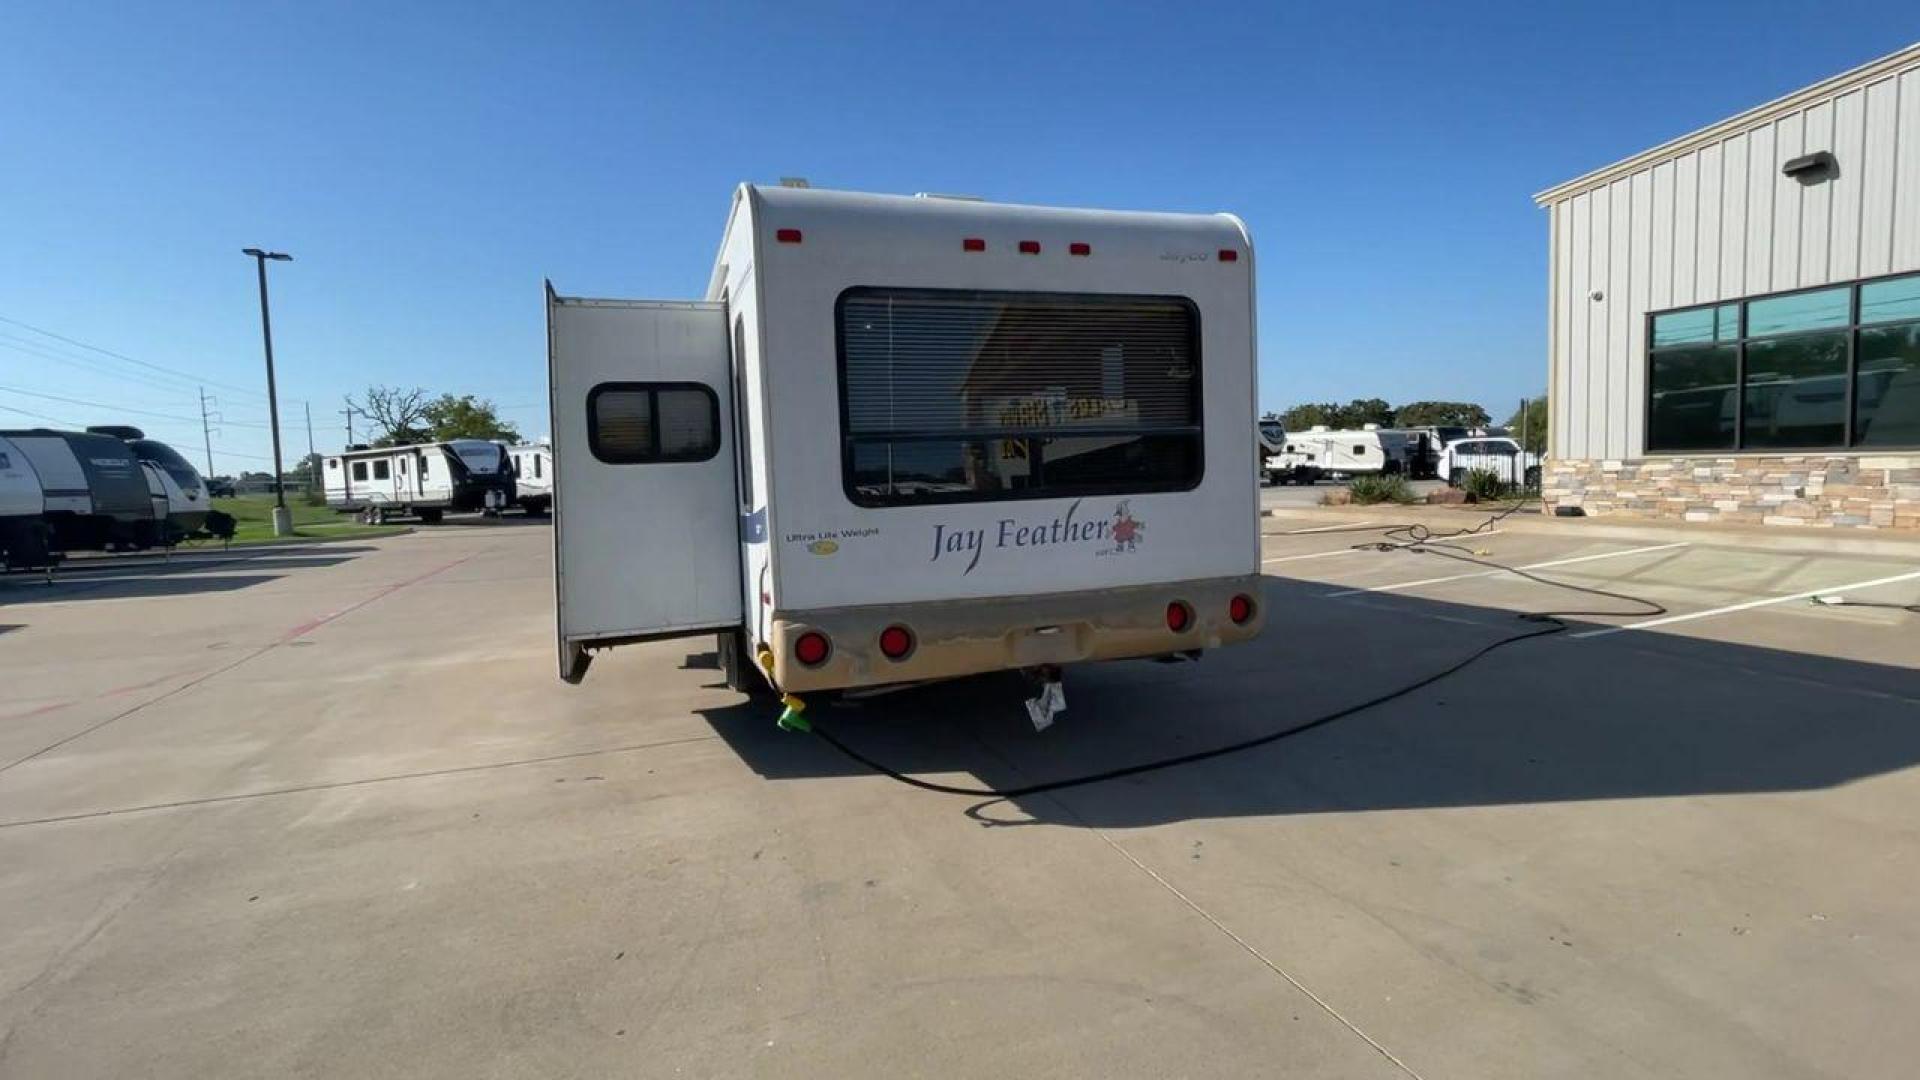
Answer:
(1731, 336)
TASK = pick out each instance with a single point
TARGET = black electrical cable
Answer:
(1416, 537)
(1889, 605)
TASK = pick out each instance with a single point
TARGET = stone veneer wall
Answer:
(1876, 491)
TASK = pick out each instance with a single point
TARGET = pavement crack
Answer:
(209, 800)
(1252, 951)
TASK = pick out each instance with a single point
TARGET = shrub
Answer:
(1367, 490)
(1484, 484)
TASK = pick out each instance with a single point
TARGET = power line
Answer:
(38, 415)
(29, 347)
(129, 359)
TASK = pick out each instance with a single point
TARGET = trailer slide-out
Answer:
(914, 438)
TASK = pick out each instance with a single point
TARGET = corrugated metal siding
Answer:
(1717, 223)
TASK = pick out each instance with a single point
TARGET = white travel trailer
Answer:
(1308, 455)
(532, 476)
(424, 480)
(914, 438)
(25, 539)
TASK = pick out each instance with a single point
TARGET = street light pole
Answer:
(282, 520)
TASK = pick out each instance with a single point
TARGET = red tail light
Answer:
(1079, 249)
(812, 648)
(1240, 609)
(1029, 247)
(1229, 255)
(896, 642)
(787, 236)
(973, 243)
(1179, 617)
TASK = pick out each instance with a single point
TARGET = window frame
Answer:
(1849, 443)
(1197, 430)
(652, 390)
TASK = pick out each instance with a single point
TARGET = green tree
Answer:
(1356, 413)
(1302, 417)
(1534, 437)
(1442, 414)
(466, 417)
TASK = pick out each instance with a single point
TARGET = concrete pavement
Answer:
(329, 812)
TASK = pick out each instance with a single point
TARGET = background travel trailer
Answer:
(907, 438)
(532, 465)
(422, 479)
(107, 488)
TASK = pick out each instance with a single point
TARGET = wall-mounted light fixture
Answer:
(1812, 168)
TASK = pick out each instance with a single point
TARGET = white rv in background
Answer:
(25, 538)
(1307, 456)
(109, 488)
(532, 476)
(913, 438)
(423, 480)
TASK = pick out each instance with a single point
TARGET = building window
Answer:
(381, 471)
(1816, 369)
(359, 470)
(645, 423)
(953, 395)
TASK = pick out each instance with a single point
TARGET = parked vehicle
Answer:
(26, 541)
(108, 488)
(1499, 455)
(913, 438)
(532, 477)
(422, 480)
(1308, 456)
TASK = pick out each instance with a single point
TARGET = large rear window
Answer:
(954, 396)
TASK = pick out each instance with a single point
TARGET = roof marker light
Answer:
(1029, 247)
(973, 243)
(787, 236)
(1229, 255)
(1079, 249)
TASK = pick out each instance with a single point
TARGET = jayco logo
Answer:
(1118, 535)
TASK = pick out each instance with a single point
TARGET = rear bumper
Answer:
(970, 637)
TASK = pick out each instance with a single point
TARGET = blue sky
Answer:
(428, 165)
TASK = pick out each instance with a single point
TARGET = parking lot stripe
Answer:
(1748, 606)
(1311, 555)
(1497, 573)
(1325, 528)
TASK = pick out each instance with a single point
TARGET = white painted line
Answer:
(1749, 605)
(1497, 573)
(1326, 528)
(1314, 555)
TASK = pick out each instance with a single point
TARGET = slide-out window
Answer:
(359, 470)
(381, 470)
(630, 423)
(958, 396)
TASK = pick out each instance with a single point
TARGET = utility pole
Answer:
(348, 413)
(282, 519)
(313, 465)
(206, 432)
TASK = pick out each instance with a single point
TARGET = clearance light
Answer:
(1240, 609)
(896, 642)
(787, 236)
(812, 648)
(1079, 249)
(1179, 617)
(1029, 247)
(1229, 255)
(973, 243)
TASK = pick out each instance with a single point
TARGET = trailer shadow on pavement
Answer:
(1627, 716)
(101, 579)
